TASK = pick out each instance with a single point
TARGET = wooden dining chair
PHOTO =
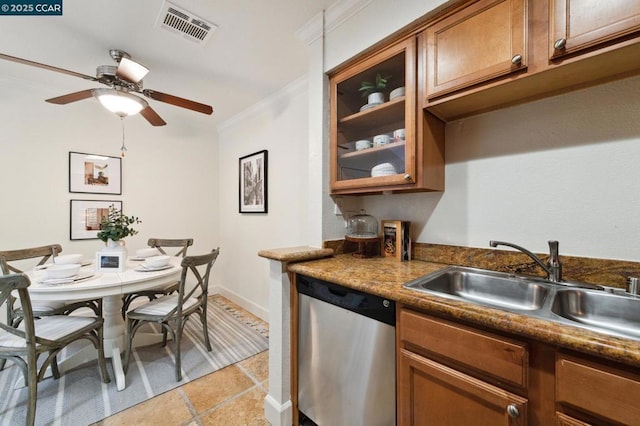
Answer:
(40, 308)
(161, 244)
(172, 311)
(50, 335)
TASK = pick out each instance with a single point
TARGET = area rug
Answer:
(80, 398)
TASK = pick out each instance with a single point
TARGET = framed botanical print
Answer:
(95, 174)
(253, 183)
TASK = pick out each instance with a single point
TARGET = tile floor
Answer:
(233, 396)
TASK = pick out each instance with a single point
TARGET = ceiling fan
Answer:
(122, 80)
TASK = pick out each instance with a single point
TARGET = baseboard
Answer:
(242, 301)
(278, 414)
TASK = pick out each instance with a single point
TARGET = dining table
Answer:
(110, 287)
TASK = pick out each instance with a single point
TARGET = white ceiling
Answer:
(253, 53)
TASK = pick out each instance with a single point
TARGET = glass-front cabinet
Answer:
(376, 143)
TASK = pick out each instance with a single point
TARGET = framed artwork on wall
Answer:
(86, 216)
(95, 174)
(253, 183)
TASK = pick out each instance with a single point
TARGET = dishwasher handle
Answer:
(366, 304)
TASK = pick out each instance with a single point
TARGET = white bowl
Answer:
(157, 261)
(147, 252)
(363, 144)
(65, 259)
(383, 169)
(62, 271)
(397, 93)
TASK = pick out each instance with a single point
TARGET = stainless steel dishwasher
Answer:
(346, 355)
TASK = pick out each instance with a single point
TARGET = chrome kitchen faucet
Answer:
(553, 267)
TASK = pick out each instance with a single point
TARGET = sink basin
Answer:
(490, 288)
(599, 310)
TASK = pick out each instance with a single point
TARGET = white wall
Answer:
(169, 173)
(278, 124)
(563, 168)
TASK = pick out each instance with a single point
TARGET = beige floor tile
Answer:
(166, 409)
(257, 366)
(210, 390)
(246, 410)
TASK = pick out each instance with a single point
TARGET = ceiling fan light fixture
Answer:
(132, 70)
(120, 102)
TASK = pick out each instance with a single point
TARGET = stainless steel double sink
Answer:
(582, 305)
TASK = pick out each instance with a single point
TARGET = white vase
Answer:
(115, 245)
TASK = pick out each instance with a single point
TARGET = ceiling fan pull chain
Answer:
(123, 148)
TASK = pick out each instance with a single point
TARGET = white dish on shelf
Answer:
(396, 93)
(383, 169)
(363, 144)
(369, 106)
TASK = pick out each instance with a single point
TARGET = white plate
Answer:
(69, 280)
(368, 106)
(137, 259)
(143, 268)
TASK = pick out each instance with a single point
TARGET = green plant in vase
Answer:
(372, 90)
(116, 225)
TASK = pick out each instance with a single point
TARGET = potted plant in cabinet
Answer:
(372, 90)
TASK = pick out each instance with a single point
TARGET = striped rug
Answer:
(80, 398)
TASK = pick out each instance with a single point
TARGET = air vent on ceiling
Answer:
(175, 19)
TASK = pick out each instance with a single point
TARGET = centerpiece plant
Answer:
(116, 225)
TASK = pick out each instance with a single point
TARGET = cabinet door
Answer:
(577, 381)
(354, 121)
(430, 393)
(576, 25)
(480, 42)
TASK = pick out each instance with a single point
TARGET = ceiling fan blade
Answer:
(71, 97)
(152, 117)
(46, 67)
(181, 102)
(130, 70)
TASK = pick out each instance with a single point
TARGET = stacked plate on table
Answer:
(155, 263)
(62, 274)
(383, 169)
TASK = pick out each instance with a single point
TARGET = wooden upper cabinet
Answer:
(478, 43)
(577, 25)
(414, 162)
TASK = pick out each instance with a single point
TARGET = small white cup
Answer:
(363, 144)
(379, 140)
(398, 135)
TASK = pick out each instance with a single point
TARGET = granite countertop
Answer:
(385, 277)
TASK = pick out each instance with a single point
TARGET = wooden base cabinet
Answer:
(590, 392)
(434, 394)
(450, 374)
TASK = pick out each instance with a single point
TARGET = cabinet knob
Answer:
(517, 59)
(513, 411)
(560, 44)
(407, 177)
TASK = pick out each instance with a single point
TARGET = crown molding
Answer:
(289, 90)
(331, 18)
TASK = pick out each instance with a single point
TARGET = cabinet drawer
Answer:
(503, 358)
(604, 392)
